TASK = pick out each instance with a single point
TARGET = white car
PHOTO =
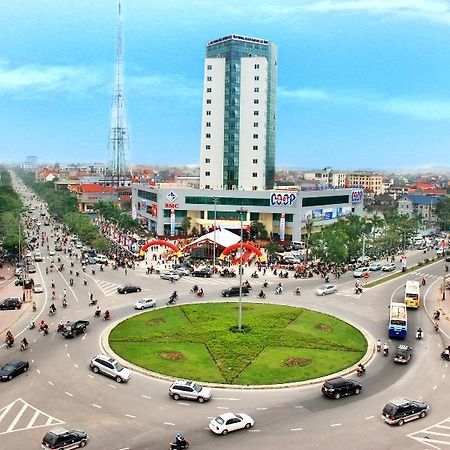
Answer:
(170, 276)
(182, 271)
(145, 303)
(326, 289)
(52, 252)
(227, 422)
(101, 259)
(38, 289)
(110, 367)
(361, 272)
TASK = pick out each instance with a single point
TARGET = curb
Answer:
(366, 359)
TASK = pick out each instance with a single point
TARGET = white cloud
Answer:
(35, 80)
(414, 107)
(430, 10)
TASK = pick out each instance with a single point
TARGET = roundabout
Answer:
(279, 344)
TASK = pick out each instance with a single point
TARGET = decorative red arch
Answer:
(158, 242)
(245, 245)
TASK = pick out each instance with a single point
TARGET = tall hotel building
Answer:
(239, 114)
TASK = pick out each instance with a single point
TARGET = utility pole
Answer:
(241, 212)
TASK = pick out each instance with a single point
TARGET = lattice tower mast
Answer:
(119, 135)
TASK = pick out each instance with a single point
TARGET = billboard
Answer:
(283, 198)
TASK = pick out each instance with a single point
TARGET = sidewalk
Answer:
(7, 289)
(443, 306)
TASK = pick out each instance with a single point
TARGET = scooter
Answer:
(378, 347)
(419, 335)
(183, 445)
(386, 351)
(97, 313)
(360, 371)
(254, 275)
(106, 316)
(32, 325)
(51, 312)
(358, 290)
(9, 343)
(436, 315)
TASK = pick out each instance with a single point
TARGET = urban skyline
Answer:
(361, 84)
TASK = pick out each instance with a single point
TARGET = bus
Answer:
(412, 294)
(398, 320)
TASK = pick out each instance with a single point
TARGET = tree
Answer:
(443, 214)
(257, 230)
(101, 245)
(271, 248)
(308, 228)
(186, 225)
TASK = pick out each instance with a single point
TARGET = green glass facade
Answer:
(233, 48)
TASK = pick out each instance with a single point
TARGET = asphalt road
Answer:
(60, 388)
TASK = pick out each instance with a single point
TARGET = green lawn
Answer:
(194, 341)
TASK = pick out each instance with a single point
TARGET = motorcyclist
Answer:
(179, 442)
(71, 282)
(360, 369)
(53, 284)
(424, 281)
(53, 295)
(265, 284)
(194, 288)
(436, 315)
(97, 312)
(385, 349)
(174, 295)
(9, 339)
(107, 315)
(64, 303)
(446, 354)
(24, 344)
(60, 326)
(297, 291)
(52, 309)
(34, 307)
(436, 327)
(419, 333)
(200, 293)
(261, 294)
(85, 281)
(378, 345)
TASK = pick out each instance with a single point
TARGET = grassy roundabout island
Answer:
(281, 344)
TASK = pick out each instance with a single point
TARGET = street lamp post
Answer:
(214, 199)
(241, 212)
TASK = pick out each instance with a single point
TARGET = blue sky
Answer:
(361, 83)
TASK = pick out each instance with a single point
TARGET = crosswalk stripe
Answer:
(33, 419)
(17, 418)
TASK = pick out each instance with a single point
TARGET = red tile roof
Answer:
(92, 188)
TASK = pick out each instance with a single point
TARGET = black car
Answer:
(12, 369)
(11, 303)
(397, 412)
(73, 329)
(234, 291)
(61, 438)
(204, 273)
(128, 288)
(58, 248)
(340, 387)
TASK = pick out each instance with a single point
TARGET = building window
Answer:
(255, 174)
(256, 101)
(256, 89)
(208, 135)
(208, 147)
(255, 124)
(255, 161)
(209, 67)
(208, 124)
(208, 113)
(207, 174)
(207, 186)
(208, 90)
(256, 66)
(256, 113)
(254, 188)
(208, 101)
(207, 160)
(255, 136)
(255, 147)
(208, 78)
(256, 78)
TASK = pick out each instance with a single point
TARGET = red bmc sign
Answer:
(171, 205)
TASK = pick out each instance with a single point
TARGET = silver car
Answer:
(145, 303)
(326, 289)
(170, 276)
(189, 390)
(110, 367)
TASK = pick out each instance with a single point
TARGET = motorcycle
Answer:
(64, 304)
(107, 315)
(358, 290)
(93, 302)
(23, 346)
(265, 284)
(254, 275)
(34, 307)
(59, 328)
(436, 315)
(261, 295)
(51, 312)
(297, 292)
(379, 347)
(171, 301)
(386, 351)
(200, 294)
(71, 282)
(9, 343)
(419, 335)
(360, 371)
(194, 289)
(445, 356)
(97, 313)
(278, 291)
(184, 444)
(32, 325)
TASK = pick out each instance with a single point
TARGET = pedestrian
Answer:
(126, 271)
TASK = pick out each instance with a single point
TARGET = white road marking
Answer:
(255, 431)
(434, 388)
(443, 376)
(90, 376)
(112, 386)
(38, 371)
(65, 345)
(296, 429)
(210, 418)
(336, 425)
(369, 417)
(84, 337)
(169, 423)
(184, 404)
(68, 355)
(131, 416)
(96, 406)
(146, 396)
(226, 398)
(17, 418)
(50, 383)
(32, 360)
(76, 366)
(222, 407)
(261, 409)
(125, 448)
(299, 406)
(69, 394)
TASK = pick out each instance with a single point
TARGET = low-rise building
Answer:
(372, 183)
(424, 206)
(326, 177)
(283, 213)
(89, 194)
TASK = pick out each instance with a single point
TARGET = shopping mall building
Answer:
(283, 213)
